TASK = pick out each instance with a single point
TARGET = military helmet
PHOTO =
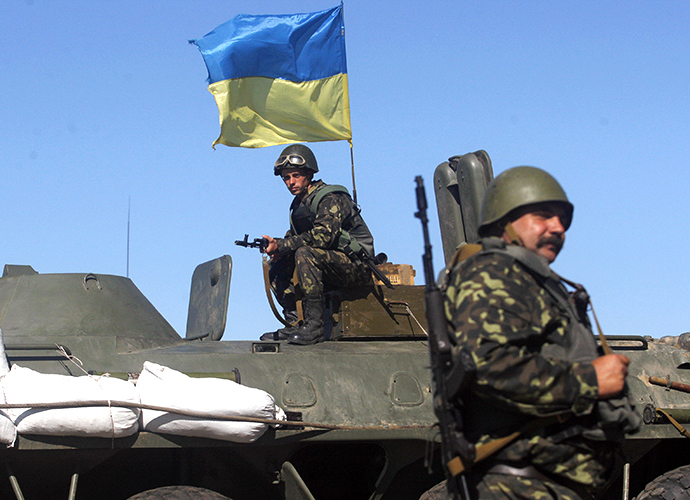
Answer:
(296, 156)
(517, 187)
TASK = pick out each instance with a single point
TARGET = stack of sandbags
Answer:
(23, 385)
(162, 386)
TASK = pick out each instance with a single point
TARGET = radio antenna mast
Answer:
(129, 207)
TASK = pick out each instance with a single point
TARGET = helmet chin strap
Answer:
(304, 191)
(511, 235)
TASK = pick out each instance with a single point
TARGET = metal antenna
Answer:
(129, 207)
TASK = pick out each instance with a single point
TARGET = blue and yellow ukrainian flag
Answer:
(279, 79)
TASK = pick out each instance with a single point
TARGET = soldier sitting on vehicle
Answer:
(321, 247)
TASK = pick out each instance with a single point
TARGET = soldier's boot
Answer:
(311, 331)
(283, 333)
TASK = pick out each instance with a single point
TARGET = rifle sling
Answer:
(464, 252)
(269, 295)
(602, 338)
(675, 423)
(456, 466)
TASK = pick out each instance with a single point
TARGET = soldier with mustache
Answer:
(534, 352)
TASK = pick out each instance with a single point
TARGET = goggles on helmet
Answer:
(292, 159)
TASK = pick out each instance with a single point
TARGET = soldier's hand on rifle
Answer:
(611, 370)
(271, 247)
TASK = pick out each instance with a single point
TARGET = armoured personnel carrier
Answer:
(358, 418)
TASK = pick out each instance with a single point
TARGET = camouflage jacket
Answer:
(502, 313)
(335, 213)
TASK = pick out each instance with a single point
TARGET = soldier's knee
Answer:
(304, 254)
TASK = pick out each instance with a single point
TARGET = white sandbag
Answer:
(23, 385)
(162, 386)
(8, 431)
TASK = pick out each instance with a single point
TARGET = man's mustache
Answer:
(556, 241)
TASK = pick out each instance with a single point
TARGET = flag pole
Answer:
(352, 162)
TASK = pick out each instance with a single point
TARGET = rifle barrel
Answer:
(440, 351)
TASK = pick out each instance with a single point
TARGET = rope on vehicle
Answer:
(210, 416)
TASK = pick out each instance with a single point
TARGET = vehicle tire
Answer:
(674, 485)
(438, 492)
(178, 493)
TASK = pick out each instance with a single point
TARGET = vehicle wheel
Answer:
(178, 493)
(674, 485)
(438, 492)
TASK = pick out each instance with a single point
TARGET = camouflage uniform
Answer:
(521, 337)
(314, 253)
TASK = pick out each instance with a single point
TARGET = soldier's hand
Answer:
(611, 370)
(272, 245)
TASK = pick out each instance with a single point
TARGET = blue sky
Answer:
(105, 104)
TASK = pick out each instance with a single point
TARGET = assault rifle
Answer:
(449, 375)
(371, 263)
(260, 243)
(360, 254)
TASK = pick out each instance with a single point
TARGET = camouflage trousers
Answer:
(316, 269)
(504, 487)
